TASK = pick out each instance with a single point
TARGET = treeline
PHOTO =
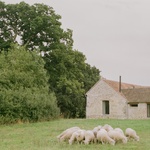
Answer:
(41, 75)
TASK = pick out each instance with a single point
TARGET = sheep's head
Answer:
(137, 138)
(125, 140)
(112, 142)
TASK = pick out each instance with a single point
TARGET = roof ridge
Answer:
(125, 85)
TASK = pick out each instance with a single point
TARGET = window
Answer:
(148, 110)
(134, 105)
(105, 107)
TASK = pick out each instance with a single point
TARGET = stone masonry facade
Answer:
(118, 104)
(100, 92)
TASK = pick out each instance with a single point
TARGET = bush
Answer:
(24, 88)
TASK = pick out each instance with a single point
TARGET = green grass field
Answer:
(42, 136)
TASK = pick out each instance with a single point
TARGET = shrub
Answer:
(24, 88)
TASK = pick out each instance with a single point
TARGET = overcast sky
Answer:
(114, 35)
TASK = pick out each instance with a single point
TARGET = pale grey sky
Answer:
(114, 35)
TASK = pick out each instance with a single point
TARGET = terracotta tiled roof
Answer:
(133, 93)
(137, 95)
(115, 85)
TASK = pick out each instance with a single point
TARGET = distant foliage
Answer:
(24, 88)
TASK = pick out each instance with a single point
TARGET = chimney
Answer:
(119, 83)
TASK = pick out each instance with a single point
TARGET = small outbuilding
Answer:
(116, 100)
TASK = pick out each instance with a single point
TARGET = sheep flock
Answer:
(101, 134)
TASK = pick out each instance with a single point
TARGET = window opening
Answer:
(134, 105)
(105, 107)
(148, 110)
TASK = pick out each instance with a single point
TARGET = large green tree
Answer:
(66, 71)
(38, 27)
(71, 78)
(24, 88)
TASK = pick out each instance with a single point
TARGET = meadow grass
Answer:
(42, 135)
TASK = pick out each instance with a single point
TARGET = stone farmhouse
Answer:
(116, 100)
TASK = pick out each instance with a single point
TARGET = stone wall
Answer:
(139, 112)
(100, 92)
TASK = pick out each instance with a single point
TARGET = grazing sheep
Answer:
(120, 130)
(73, 138)
(77, 136)
(96, 129)
(81, 136)
(102, 136)
(107, 127)
(67, 134)
(117, 136)
(89, 137)
(130, 133)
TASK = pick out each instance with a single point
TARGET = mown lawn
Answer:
(42, 136)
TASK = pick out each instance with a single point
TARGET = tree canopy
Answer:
(37, 27)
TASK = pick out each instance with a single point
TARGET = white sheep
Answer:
(120, 130)
(78, 136)
(89, 137)
(107, 127)
(67, 134)
(73, 137)
(81, 136)
(130, 133)
(96, 129)
(102, 136)
(117, 136)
